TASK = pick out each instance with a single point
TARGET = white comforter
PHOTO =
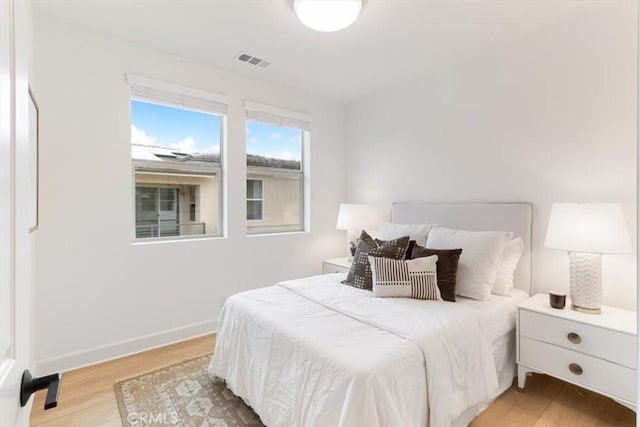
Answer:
(316, 352)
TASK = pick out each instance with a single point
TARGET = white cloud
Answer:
(139, 136)
(187, 145)
(253, 140)
(297, 139)
(276, 136)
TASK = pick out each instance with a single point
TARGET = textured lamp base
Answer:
(586, 310)
(586, 282)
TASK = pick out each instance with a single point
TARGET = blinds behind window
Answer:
(276, 116)
(178, 96)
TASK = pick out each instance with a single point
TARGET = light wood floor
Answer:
(87, 398)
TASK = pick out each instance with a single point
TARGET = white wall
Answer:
(100, 296)
(550, 118)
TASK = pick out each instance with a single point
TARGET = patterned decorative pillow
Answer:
(360, 271)
(416, 278)
(447, 268)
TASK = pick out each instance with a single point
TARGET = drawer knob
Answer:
(574, 338)
(575, 368)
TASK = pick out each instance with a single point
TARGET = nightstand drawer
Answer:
(614, 346)
(591, 372)
(336, 265)
(332, 268)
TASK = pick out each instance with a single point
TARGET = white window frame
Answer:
(177, 96)
(261, 113)
(261, 199)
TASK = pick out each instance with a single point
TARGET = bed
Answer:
(313, 351)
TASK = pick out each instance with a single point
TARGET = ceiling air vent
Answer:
(253, 60)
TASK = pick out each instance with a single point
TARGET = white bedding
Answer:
(499, 310)
(316, 352)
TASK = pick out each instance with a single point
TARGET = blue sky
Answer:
(192, 131)
(153, 124)
(273, 141)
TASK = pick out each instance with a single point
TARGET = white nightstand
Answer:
(336, 265)
(595, 351)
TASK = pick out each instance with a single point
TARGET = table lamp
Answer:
(354, 218)
(586, 231)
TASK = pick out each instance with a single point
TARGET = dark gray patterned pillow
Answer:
(360, 271)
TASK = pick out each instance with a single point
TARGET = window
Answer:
(193, 212)
(176, 153)
(254, 199)
(276, 177)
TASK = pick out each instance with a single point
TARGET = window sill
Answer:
(180, 239)
(276, 233)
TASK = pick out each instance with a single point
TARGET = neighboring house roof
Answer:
(272, 162)
(142, 153)
(150, 158)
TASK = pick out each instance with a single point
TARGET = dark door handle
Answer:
(30, 385)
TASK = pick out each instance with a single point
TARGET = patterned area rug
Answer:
(181, 395)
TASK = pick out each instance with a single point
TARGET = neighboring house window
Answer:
(254, 199)
(176, 140)
(193, 204)
(277, 179)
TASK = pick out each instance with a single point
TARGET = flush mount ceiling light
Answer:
(327, 15)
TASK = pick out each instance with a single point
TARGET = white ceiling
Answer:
(392, 41)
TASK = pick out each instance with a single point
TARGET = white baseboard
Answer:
(103, 353)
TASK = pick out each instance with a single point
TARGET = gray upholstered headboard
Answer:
(514, 217)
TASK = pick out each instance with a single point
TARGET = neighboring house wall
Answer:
(207, 190)
(281, 206)
(281, 200)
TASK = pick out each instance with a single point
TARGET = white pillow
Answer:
(506, 266)
(414, 278)
(481, 251)
(417, 232)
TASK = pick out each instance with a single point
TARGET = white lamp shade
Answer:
(327, 15)
(357, 217)
(597, 228)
